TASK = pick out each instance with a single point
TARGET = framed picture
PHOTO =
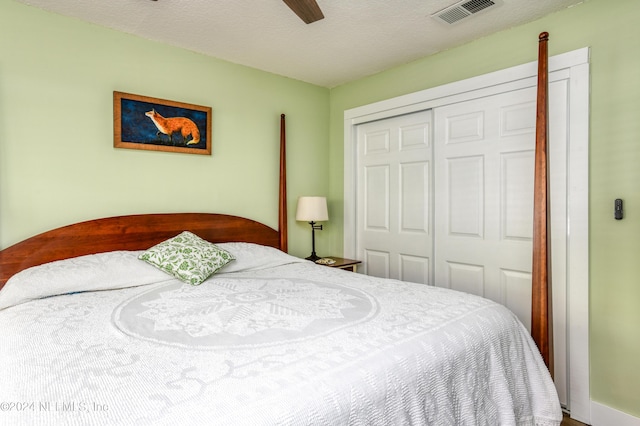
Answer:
(141, 122)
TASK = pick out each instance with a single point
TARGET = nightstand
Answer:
(347, 264)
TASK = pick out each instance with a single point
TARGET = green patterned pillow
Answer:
(187, 257)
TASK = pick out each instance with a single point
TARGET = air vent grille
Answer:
(463, 9)
(474, 6)
(453, 15)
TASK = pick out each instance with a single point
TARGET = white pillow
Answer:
(255, 256)
(103, 271)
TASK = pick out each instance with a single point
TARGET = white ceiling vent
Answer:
(463, 9)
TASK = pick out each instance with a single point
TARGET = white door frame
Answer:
(576, 65)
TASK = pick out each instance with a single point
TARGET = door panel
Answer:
(483, 207)
(466, 201)
(394, 197)
(376, 182)
(484, 179)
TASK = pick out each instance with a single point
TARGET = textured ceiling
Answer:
(357, 37)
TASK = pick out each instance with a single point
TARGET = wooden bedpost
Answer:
(282, 208)
(540, 279)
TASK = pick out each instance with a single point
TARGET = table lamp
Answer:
(312, 210)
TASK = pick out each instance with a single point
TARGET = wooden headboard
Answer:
(139, 232)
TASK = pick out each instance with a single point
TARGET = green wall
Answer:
(611, 30)
(57, 161)
(58, 164)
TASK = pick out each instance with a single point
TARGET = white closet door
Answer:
(484, 167)
(394, 197)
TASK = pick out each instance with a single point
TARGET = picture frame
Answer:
(143, 122)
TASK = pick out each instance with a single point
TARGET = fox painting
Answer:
(171, 125)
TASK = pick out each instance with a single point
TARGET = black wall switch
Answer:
(617, 211)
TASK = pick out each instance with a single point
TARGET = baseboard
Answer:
(602, 415)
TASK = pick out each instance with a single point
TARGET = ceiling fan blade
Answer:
(307, 10)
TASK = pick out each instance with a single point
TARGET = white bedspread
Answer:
(294, 344)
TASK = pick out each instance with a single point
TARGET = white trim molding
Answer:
(602, 415)
(573, 66)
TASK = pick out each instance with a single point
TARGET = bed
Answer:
(90, 333)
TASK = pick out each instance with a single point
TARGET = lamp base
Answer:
(313, 257)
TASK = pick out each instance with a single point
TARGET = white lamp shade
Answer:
(312, 209)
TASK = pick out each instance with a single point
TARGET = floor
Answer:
(566, 421)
